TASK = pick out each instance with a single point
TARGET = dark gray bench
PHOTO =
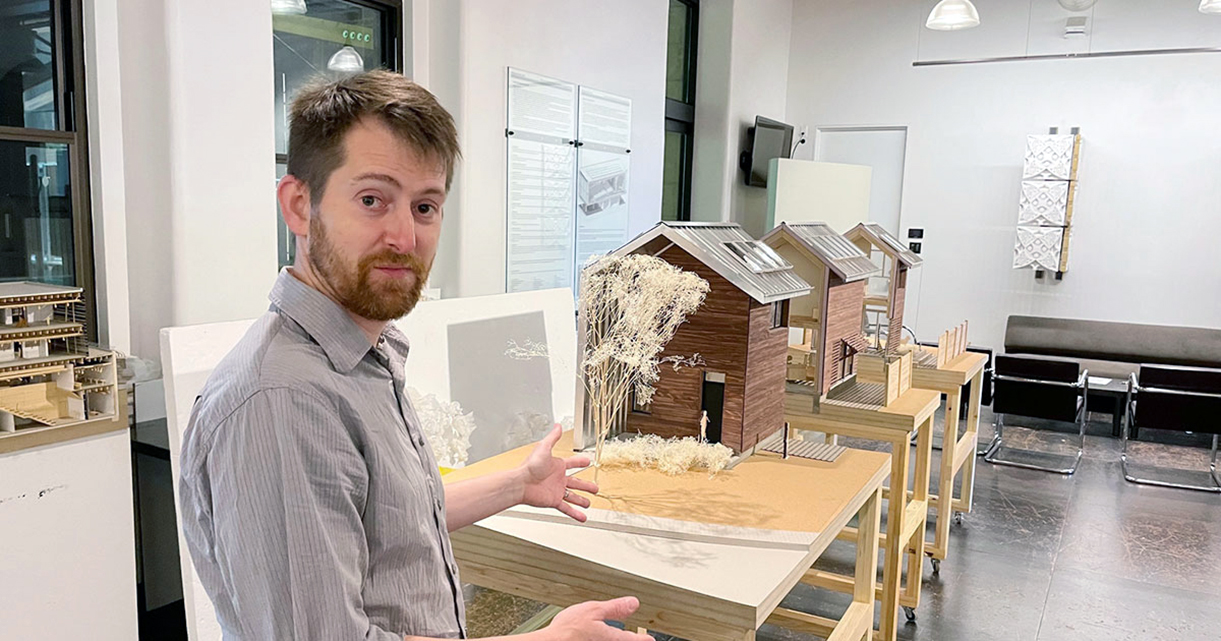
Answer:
(1112, 350)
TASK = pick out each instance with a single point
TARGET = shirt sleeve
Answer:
(288, 487)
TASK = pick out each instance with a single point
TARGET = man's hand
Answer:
(587, 621)
(545, 482)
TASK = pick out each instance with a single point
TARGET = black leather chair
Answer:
(1185, 399)
(1038, 387)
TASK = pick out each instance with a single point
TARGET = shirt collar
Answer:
(341, 339)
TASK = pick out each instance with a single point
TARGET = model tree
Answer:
(631, 306)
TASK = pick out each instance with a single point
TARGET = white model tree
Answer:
(631, 306)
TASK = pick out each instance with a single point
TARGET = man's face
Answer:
(373, 236)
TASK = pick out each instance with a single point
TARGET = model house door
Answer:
(713, 402)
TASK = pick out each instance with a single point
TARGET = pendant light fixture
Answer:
(346, 60)
(952, 15)
(287, 7)
(1210, 6)
(1078, 5)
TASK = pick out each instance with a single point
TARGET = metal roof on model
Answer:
(886, 241)
(845, 259)
(728, 250)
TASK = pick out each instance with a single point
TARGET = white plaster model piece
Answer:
(446, 427)
(1039, 247)
(1051, 157)
(49, 376)
(1044, 203)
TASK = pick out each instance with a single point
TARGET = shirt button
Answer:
(419, 441)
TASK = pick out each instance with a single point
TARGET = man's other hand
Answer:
(587, 621)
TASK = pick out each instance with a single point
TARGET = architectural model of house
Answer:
(885, 301)
(49, 376)
(740, 334)
(830, 314)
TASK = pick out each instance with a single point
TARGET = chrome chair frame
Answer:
(1134, 389)
(1082, 384)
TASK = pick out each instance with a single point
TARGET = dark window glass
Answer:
(28, 65)
(677, 59)
(36, 240)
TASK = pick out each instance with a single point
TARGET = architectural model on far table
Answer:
(49, 375)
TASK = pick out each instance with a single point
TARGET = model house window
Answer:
(780, 314)
(325, 37)
(638, 407)
(45, 229)
(680, 110)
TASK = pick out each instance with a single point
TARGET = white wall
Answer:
(1148, 213)
(743, 68)
(617, 47)
(199, 162)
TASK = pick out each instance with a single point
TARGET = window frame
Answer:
(680, 114)
(392, 57)
(71, 129)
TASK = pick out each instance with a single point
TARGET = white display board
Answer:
(567, 179)
(188, 356)
(541, 162)
(68, 558)
(462, 351)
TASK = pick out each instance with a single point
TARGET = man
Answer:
(312, 505)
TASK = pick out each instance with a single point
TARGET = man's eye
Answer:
(425, 208)
(369, 201)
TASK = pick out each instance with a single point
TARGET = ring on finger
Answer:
(566, 493)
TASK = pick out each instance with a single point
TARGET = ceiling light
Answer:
(1077, 5)
(346, 60)
(1210, 6)
(287, 7)
(952, 15)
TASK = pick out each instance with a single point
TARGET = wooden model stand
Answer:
(947, 369)
(49, 377)
(826, 393)
(646, 529)
(858, 413)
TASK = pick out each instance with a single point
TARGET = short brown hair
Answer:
(324, 111)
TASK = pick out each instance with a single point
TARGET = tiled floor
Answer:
(1042, 557)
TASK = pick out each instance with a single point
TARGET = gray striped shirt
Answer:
(311, 503)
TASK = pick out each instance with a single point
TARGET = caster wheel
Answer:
(958, 518)
(910, 613)
(936, 567)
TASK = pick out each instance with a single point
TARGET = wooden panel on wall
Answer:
(718, 332)
(765, 370)
(843, 318)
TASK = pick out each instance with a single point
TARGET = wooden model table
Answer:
(957, 454)
(710, 558)
(912, 412)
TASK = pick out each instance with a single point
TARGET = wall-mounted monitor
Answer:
(768, 139)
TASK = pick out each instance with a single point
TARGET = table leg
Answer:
(968, 472)
(914, 547)
(945, 483)
(869, 519)
(892, 565)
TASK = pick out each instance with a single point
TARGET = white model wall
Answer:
(617, 47)
(1148, 213)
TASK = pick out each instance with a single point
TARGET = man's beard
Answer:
(351, 285)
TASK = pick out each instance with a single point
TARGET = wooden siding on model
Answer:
(718, 332)
(843, 319)
(894, 335)
(765, 369)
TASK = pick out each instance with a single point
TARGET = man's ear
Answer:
(294, 198)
